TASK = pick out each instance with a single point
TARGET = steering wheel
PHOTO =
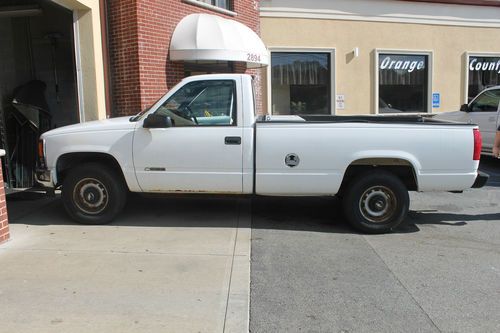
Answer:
(189, 113)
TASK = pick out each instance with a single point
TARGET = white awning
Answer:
(202, 37)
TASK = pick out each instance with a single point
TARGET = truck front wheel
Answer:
(376, 202)
(93, 194)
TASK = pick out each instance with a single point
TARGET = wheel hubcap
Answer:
(90, 196)
(378, 204)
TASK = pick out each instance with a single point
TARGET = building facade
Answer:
(378, 56)
(140, 38)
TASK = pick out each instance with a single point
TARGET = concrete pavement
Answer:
(440, 273)
(182, 265)
(166, 265)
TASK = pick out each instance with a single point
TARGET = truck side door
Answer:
(483, 112)
(202, 151)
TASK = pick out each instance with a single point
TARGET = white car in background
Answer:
(483, 111)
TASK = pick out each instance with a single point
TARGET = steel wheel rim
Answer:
(90, 196)
(378, 204)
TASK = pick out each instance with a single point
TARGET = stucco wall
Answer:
(355, 77)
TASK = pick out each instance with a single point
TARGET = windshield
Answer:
(143, 112)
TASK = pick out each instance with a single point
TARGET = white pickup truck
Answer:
(203, 137)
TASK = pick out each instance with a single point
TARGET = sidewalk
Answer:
(166, 265)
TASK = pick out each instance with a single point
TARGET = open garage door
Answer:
(38, 86)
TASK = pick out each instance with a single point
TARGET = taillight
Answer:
(478, 142)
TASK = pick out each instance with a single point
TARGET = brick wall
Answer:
(4, 222)
(124, 56)
(140, 32)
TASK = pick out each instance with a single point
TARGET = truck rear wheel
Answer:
(376, 202)
(93, 194)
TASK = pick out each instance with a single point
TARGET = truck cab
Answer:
(202, 141)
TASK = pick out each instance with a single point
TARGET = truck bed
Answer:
(439, 153)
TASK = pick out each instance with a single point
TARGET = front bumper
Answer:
(44, 178)
(481, 179)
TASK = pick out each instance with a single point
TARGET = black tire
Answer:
(376, 202)
(93, 194)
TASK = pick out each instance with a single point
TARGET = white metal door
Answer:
(486, 122)
(188, 159)
(483, 112)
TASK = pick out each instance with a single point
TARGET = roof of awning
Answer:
(201, 37)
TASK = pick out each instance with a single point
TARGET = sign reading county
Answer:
(436, 100)
(484, 64)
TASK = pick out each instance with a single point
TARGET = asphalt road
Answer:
(440, 272)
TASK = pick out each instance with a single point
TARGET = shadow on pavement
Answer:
(450, 218)
(317, 214)
(310, 214)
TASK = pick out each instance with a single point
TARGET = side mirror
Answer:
(157, 121)
(465, 107)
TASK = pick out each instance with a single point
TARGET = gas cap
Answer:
(292, 160)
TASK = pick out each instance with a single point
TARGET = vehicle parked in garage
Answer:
(484, 111)
(203, 137)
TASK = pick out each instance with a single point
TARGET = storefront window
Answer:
(484, 72)
(300, 83)
(403, 83)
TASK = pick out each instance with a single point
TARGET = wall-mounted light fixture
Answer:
(355, 52)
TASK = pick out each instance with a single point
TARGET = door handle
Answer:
(232, 140)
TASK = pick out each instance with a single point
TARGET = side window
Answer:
(486, 102)
(226, 4)
(202, 103)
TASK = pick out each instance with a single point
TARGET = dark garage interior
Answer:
(38, 89)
